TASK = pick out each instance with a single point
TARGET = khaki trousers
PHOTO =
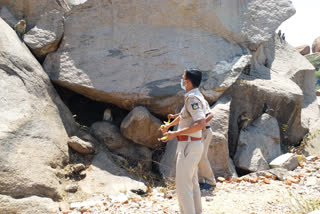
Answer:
(205, 172)
(187, 186)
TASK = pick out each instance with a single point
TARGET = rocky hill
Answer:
(84, 91)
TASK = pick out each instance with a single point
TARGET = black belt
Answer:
(208, 127)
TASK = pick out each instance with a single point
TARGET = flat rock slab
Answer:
(104, 177)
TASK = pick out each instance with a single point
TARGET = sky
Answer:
(303, 27)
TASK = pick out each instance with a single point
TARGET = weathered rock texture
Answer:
(97, 59)
(33, 204)
(46, 35)
(34, 123)
(110, 135)
(218, 152)
(31, 10)
(303, 49)
(7, 16)
(287, 161)
(104, 177)
(142, 128)
(81, 146)
(282, 78)
(72, 3)
(316, 45)
(258, 145)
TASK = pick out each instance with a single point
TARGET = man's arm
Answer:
(209, 117)
(173, 116)
(196, 126)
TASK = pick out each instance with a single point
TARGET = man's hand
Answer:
(171, 135)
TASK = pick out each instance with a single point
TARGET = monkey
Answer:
(107, 115)
(20, 28)
(243, 121)
(266, 63)
(266, 109)
(283, 37)
(279, 33)
(247, 69)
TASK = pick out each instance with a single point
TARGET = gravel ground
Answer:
(298, 193)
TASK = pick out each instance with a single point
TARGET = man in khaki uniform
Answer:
(191, 121)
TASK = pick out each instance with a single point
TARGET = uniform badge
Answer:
(195, 106)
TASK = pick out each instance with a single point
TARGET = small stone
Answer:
(266, 181)
(78, 167)
(311, 158)
(71, 188)
(268, 175)
(221, 179)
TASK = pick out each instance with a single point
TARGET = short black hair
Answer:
(194, 75)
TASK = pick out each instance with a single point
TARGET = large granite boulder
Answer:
(284, 80)
(34, 126)
(142, 128)
(258, 145)
(97, 59)
(30, 10)
(109, 135)
(44, 38)
(218, 152)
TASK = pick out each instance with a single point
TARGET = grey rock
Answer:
(35, 123)
(281, 173)
(81, 146)
(33, 204)
(78, 167)
(291, 65)
(95, 55)
(232, 168)
(72, 3)
(7, 16)
(109, 135)
(104, 176)
(31, 10)
(303, 49)
(288, 161)
(258, 145)
(142, 128)
(222, 76)
(44, 38)
(218, 152)
(71, 188)
(168, 161)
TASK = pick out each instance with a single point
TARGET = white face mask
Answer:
(182, 86)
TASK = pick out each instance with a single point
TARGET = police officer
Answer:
(205, 173)
(191, 121)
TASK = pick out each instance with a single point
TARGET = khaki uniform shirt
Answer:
(193, 110)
